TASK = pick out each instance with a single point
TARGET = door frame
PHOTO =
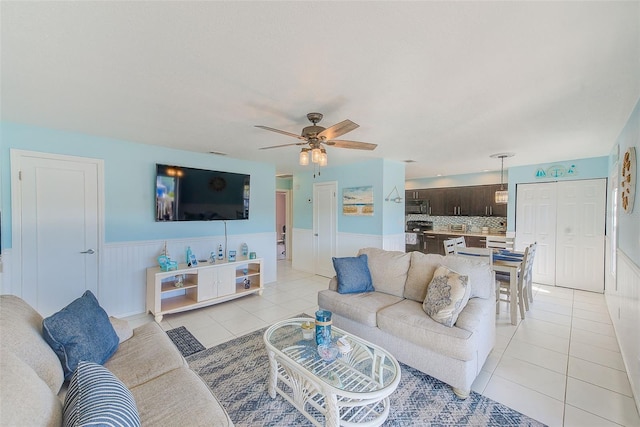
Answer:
(334, 213)
(288, 221)
(16, 156)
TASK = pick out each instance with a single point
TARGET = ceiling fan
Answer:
(315, 136)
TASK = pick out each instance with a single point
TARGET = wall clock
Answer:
(628, 174)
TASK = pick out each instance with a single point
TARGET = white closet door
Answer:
(536, 222)
(580, 241)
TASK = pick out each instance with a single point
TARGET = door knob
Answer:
(88, 251)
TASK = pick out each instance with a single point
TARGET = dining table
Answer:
(510, 262)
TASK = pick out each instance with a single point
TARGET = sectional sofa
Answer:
(33, 388)
(393, 315)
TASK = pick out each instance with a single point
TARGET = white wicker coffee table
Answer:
(352, 390)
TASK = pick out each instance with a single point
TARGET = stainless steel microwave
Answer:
(415, 207)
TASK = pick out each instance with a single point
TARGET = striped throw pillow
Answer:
(96, 397)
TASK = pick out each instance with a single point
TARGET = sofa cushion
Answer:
(122, 328)
(361, 308)
(80, 331)
(179, 398)
(96, 397)
(420, 274)
(407, 320)
(480, 274)
(21, 333)
(25, 398)
(353, 274)
(447, 295)
(148, 354)
(388, 269)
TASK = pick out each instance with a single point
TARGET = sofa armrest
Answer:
(333, 283)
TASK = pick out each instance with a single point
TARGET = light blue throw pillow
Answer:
(353, 274)
(80, 331)
(95, 397)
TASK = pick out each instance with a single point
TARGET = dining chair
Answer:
(484, 254)
(449, 244)
(524, 283)
(460, 241)
(500, 242)
(532, 253)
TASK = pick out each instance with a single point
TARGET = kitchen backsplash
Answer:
(473, 223)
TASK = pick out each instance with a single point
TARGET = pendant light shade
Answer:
(322, 161)
(315, 155)
(502, 195)
(304, 157)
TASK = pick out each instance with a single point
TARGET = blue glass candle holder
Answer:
(323, 327)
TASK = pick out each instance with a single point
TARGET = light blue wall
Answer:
(383, 175)
(629, 224)
(484, 178)
(284, 183)
(590, 168)
(129, 177)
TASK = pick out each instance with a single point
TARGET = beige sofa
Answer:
(393, 316)
(166, 391)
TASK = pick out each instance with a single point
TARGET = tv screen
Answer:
(189, 194)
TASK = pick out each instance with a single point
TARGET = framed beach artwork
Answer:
(357, 201)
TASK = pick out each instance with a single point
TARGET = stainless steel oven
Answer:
(414, 240)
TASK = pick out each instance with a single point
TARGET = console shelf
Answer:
(188, 288)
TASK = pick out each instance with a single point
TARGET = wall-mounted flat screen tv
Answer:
(189, 194)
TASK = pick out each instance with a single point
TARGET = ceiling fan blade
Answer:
(281, 131)
(352, 144)
(338, 129)
(283, 145)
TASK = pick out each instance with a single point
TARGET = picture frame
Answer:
(358, 201)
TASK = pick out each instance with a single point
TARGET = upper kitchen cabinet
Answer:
(477, 200)
(435, 198)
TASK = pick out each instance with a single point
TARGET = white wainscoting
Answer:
(302, 251)
(347, 244)
(124, 265)
(5, 273)
(623, 301)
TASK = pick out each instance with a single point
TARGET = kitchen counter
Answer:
(466, 233)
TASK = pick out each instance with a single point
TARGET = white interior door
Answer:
(56, 232)
(324, 227)
(581, 228)
(536, 222)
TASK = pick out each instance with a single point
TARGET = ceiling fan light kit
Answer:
(317, 136)
(502, 195)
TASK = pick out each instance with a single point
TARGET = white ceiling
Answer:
(443, 83)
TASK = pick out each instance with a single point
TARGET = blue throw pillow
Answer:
(95, 397)
(353, 274)
(80, 331)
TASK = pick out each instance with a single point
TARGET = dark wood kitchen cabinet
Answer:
(436, 201)
(432, 244)
(476, 200)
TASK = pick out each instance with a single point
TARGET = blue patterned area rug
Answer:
(185, 341)
(237, 372)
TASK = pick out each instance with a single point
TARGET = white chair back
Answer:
(484, 254)
(449, 244)
(460, 241)
(500, 242)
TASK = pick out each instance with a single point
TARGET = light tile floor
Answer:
(561, 365)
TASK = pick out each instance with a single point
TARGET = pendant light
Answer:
(502, 195)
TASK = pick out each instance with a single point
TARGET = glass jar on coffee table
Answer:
(351, 387)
